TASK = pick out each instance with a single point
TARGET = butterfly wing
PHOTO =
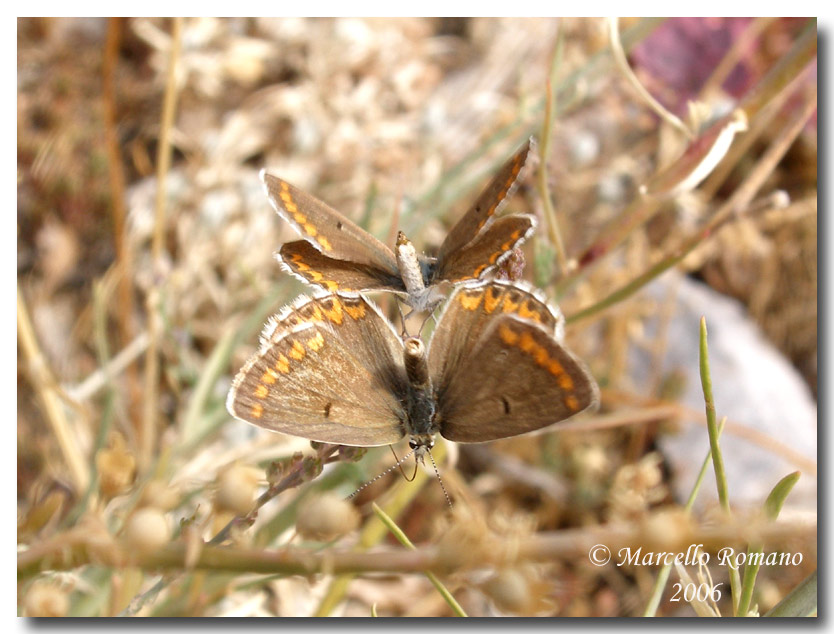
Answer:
(487, 251)
(498, 368)
(474, 220)
(471, 308)
(301, 259)
(326, 229)
(328, 369)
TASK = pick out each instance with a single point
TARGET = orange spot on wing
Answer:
(325, 244)
(507, 335)
(316, 343)
(257, 410)
(297, 352)
(572, 403)
(565, 382)
(356, 311)
(541, 356)
(299, 262)
(555, 368)
(305, 271)
(525, 311)
(470, 300)
(491, 300)
(334, 312)
(283, 364)
(509, 306)
(527, 343)
(269, 376)
(289, 203)
(261, 391)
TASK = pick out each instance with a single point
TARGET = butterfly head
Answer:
(421, 444)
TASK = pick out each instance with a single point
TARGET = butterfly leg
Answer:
(403, 319)
(431, 316)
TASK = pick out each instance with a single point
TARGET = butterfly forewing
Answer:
(333, 234)
(329, 370)
(532, 382)
(485, 207)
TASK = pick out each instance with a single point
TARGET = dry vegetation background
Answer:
(138, 299)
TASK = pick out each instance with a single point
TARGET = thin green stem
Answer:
(397, 532)
(715, 450)
(101, 295)
(544, 143)
(663, 574)
(631, 287)
(374, 530)
(712, 427)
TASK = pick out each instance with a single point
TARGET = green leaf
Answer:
(772, 506)
(774, 502)
(801, 601)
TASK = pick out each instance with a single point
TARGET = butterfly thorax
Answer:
(420, 408)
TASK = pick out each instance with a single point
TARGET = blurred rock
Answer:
(753, 385)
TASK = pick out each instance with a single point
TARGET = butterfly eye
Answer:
(412, 444)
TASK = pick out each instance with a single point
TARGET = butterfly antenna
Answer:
(439, 479)
(384, 473)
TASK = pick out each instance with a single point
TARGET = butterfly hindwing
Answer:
(498, 367)
(304, 261)
(470, 310)
(516, 379)
(487, 251)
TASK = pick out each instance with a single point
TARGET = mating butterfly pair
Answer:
(332, 368)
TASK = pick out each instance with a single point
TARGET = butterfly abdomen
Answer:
(421, 405)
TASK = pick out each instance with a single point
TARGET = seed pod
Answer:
(236, 489)
(326, 517)
(147, 530)
(509, 591)
(46, 599)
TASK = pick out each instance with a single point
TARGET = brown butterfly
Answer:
(332, 368)
(338, 255)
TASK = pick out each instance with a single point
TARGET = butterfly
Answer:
(337, 255)
(332, 368)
